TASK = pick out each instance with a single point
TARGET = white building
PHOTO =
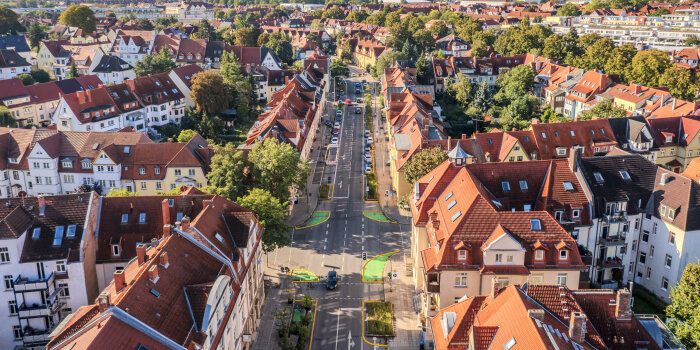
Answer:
(12, 64)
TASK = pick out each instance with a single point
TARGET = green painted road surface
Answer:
(373, 269)
(377, 216)
(303, 276)
(317, 217)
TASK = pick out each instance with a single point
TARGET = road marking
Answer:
(328, 225)
(363, 247)
(350, 308)
(324, 247)
(325, 239)
(363, 239)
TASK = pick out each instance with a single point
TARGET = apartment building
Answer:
(582, 96)
(161, 99)
(104, 108)
(12, 64)
(47, 250)
(207, 266)
(477, 69)
(677, 140)
(132, 45)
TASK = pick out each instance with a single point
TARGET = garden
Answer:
(295, 327)
(379, 319)
(324, 190)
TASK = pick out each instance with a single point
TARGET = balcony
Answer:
(609, 263)
(615, 217)
(614, 240)
(34, 337)
(32, 310)
(24, 284)
(432, 282)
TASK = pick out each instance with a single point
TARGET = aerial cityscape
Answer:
(349, 174)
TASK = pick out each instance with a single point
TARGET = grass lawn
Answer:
(379, 319)
(372, 184)
(316, 218)
(646, 303)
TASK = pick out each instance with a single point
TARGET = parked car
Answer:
(328, 123)
(358, 110)
(332, 280)
(358, 84)
(336, 125)
(369, 140)
(368, 168)
(367, 133)
(368, 157)
(334, 140)
(360, 100)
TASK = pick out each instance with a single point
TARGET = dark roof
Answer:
(10, 58)
(680, 194)
(630, 129)
(636, 191)
(16, 42)
(110, 64)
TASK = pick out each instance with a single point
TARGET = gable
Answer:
(503, 242)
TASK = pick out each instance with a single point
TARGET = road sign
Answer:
(364, 256)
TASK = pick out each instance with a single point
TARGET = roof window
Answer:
(179, 216)
(154, 292)
(35, 232)
(171, 202)
(142, 218)
(602, 131)
(625, 175)
(125, 218)
(523, 185)
(448, 195)
(568, 186)
(219, 237)
(71, 231)
(573, 134)
(452, 204)
(58, 236)
(535, 225)
(505, 185)
(598, 177)
(544, 136)
(457, 214)
(126, 149)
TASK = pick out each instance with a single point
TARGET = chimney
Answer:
(574, 159)
(103, 301)
(577, 326)
(537, 314)
(449, 143)
(664, 179)
(164, 259)
(167, 229)
(534, 121)
(165, 209)
(464, 136)
(495, 288)
(153, 273)
(119, 280)
(623, 309)
(207, 203)
(141, 253)
(673, 104)
(185, 223)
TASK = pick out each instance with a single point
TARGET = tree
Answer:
(9, 22)
(121, 192)
(550, 116)
(680, 82)
(36, 35)
(357, 16)
(463, 90)
(554, 47)
(73, 72)
(206, 31)
(691, 40)
(210, 127)
(386, 60)
(682, 313)
(154, 64)
(79, 16)
(26, 78)
(569, 9)
(483, 98)
(659, 12)
(230, 175)
(338, 68)
(277, 167)
(515, 83)
(648, 66)
(479, 49)
(186, 135)
(423, 40)
(239, 85)
(439, 29)
(317, 25)
(424, 70)
(620, 60)
(6, 118)
(247, 36)
(334, 13)
(604, 110)
(271, 214)
(282, 47)
(145, 24)
(209, 93)
(423, 162)
(40, 75)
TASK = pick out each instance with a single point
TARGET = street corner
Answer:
(373, 269)
(377, 322)
(377, 216)
(317, 218)
(303, 276)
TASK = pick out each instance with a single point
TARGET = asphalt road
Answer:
(338, 243)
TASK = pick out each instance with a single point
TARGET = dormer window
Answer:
(462, 254)
(563, 254)
(576, 213)
(539, 254)
(535, 225)
(669, 138)
(505, 185)
(116, 250)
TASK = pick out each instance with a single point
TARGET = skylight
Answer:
(625, 175)
(568, 186)
(154, 292)
(457, 214)
(125, 218)
(219, 237)
(452, 204)
(35, 233)
(448, 196)
(535, 224)
(573, 134)
(523, 185)
(171, 202)
(142, 218)
(544, 136)
(126, 149)
(602, 131)
(505, 185)
(58, 237)
(71, 231)
(598, 177)
(179, 216)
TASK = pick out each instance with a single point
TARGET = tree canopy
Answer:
(209, 93)
(271, 213)
(79, 16)
(682, 313)
(9, 21)
(154, 64)
(423, 162)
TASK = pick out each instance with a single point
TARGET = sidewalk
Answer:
(399, 291)
(275, 299)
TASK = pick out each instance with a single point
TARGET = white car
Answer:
(369, 140)
(334, 140)
(368, 168)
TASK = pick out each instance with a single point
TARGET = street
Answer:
(339, 242)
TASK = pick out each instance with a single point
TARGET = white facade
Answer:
(66, 120)
(13, 72)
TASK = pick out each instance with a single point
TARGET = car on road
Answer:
(334, 140)
(358, 91)
(358, 110)
(357, 84)
(336, 125)
(332, 280)
(328, 123)
(368, 157)
(360, 100)
(369, 140)
(341, 92)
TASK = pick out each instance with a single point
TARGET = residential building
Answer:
(548, 316)
(634, 135)
(18, 43)
(476, 69)
(452, 45)
(256, 56)
(133, 45)
(162, 100)
(182, 78)
(677, 140)
(12, 64)
(111, 69)
(47, 248)
(198, 285)
(365, 52)
(559, 140)
(581, 97)
(106, 108)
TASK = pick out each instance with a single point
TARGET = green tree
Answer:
(239, 85)
(682, 313)
(9, 21)
(357, 16)
(338, 68)
(40, 75)
(620, 60)
(79, 16)
(597, 54)
(463, 90)
(681, 82)
(210, 127)
(282, 47)
(271, 214)
(423, 40)
(145, 24)
(554, 47)
(648, 66)
(515, 84)
(569, 9)
(423, 162)
(603, 110)
(73, 72)
(230, 174)
(439, 29)
(386, 60)
(26, 78)
(317, 25)
(334, 13)
(518, 113)
(247, 36)
(186, 135)
(209, 93)
(691, 40)
(479, 48)
(154, 64)
(483, 98)
(277, 168)
(206, 31)
(6, 118)
(36, 35)
(659, 12)
(424, 70)
(550, 116)
(121, 192)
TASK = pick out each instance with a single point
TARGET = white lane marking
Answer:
(363, 247)
(328, 225)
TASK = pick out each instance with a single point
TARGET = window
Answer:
(100, 168)
(669, 261)
(651, 251)
(645, 236)
(664, 283)
(568, 186)
(13, 307)
(191, 172)
(36, 165)
(558, 214)
(143, 185)
(177, 172)
(671, 213)
(598, 177)
(38, 180)
(46, 165)
(523, 185)
(671, 238)
(539, 254)
(573, 134)
(563, 254)
(462, 254)
(4, 255)
(502, 282)
(625, 175)
(452, 204)
(561, 151)
(499, 258)
(576, 213)
(58, 235)
(457, 214)
(110, 168)
(142, 218)
(505, 185)
(663, 210)
(17, 331)
(156, 171)
(36, 232)
(179, 216)
(71, 231)
(60, 266)
(64, 289)
(69, 179)
(115, 250)
(509, 259)
(9, 281)
(648, 275)
(527, 207)
(142, 171)
(461, 279)
(159, 186)
(561, 279)
(642, 258)
(535, 224)
(536, 279)
(125, 218)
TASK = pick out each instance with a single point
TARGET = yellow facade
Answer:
(684, 155)
(516, 154)
(626, 105)
(45, 60)
(171, 180)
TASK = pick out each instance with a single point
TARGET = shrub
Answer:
(307, 303)
(323, 191)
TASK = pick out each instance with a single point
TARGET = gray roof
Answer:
(14, 41)
(457, 153)
(10, 58)
(111, 64)
(402, 142)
